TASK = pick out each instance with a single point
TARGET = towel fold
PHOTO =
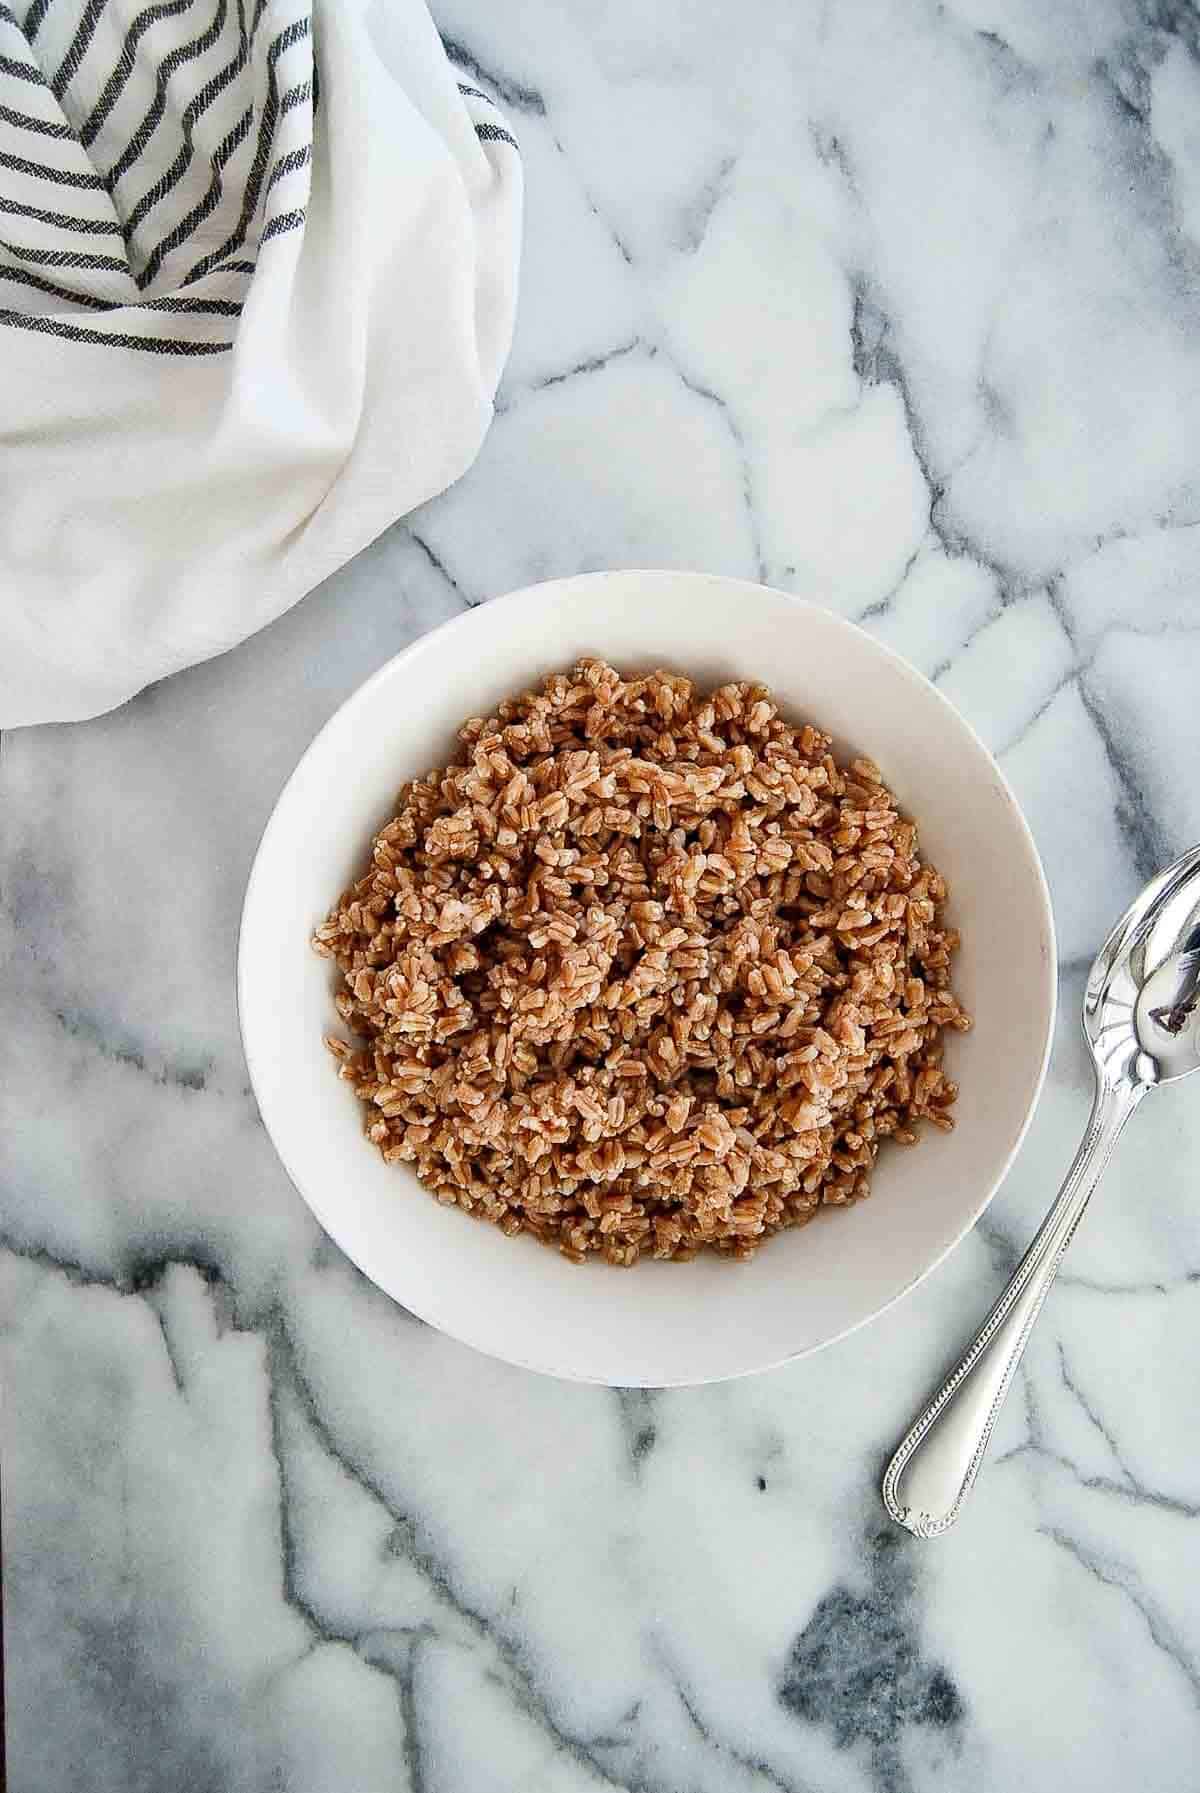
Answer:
(257, 280)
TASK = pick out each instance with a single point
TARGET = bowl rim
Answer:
(323, 1212)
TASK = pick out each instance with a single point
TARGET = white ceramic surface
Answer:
(659, 1324)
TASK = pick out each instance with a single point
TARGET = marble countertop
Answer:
(900, 303)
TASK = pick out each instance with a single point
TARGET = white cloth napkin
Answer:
(257, 279)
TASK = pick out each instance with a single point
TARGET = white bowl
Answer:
(658, 1324)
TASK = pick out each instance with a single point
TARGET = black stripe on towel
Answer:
(295, 96)
(222, 308)
(295, 158)
(22, 71)
(77, 48)
(88, 227)
(282, 222)
(493, 134)
(33, 18)
(232, 267)
(26, 277)
(65, 177)
(67, 258)
(150, 345)
(45, 127)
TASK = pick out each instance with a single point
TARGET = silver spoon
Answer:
(1141, 1020)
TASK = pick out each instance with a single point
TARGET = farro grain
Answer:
(644, 971)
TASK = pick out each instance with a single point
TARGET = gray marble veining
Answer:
(900, 302)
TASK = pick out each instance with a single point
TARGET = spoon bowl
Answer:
(1141, 1008)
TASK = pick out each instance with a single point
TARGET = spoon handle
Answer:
(931, 1473)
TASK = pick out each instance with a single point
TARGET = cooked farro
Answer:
(644, 971)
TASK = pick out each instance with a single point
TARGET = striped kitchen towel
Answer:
(257, 280)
